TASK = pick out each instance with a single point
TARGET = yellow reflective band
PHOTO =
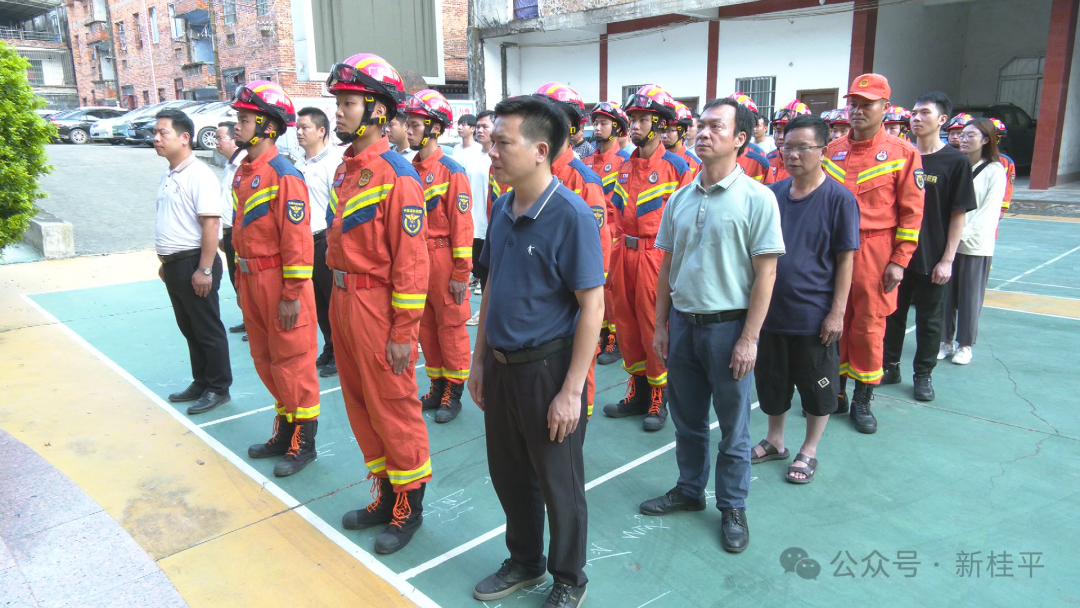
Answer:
(408, 300)
(660, 380)
(656, 191)
(605, 275)
(259, 198)
(456, 374)
(376, 466)
(588, 412)
(834, 170)
(279, 409)
(371, 196)
(607, 181)
(333, 201)
(882, 169)
(1005, 204)
(434, 372)
(906, 234)
(436, 190)
(405, 477)
(235, 201)
(296, 272)
(462, 252)
(758, 178)
(634, 367)
(845, 370)
(305, 413)
(621, 192)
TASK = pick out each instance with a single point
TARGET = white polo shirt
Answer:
(477, 172)
(227, 211)
(185, 194)
(319, 174)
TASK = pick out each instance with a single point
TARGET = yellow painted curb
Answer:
(1045, 305)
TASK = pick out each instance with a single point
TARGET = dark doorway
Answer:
(819, 100)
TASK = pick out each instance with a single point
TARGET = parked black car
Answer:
(140, 132)
(75, 126)
(1020, 143)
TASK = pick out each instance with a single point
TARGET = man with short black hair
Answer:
(799, 346)
(539, 320)
(466, 129)
(761, 135)
(188, 229)
(319, 164)
(226, 146)
(949, 195)
(720, 236)
(399, 139)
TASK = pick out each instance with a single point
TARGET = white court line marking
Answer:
(654, 599)
(1043, 265)
(1038, 284)
(909, 330)
(339, 539)
(1029, 312)
(483, 538)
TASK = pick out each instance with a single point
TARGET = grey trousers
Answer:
(964, 300)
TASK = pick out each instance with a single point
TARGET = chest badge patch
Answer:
(255, 182)
(883, 155)
(296, 210)
(463, 202)
(340, 178)
(430, 178)
(236, 180)
(412, 219)
(598, 213)
(365, 177)
(623, 177)
(607, 167)
(920, 179)
(653, 177)
(841, 155)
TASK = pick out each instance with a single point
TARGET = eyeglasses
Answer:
(970, 136)
(800, 150)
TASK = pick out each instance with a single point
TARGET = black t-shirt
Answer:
(949, 188)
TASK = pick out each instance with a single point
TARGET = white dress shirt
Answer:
(319, 174)
(185, 194)
(477, 172)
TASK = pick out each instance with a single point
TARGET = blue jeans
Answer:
(698, 372)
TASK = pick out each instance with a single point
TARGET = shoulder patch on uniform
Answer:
(463, 202)
(841, 155)
(920, 179)
(623, 154)
(296, 210)
(340, 177)
(402, 167)
(755, 148)
(412, 219)
(451, 164)
(678, 162)
(586, 173)
(757, 157)
(600, 215)
(283, 167)
(693, 157)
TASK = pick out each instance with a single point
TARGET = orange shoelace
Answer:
(273, 437)
(402, 510)
(445, 401)
(631, 389)
(376, 494)
(610, 346)
(294, 447)
(430, 393)
(657, 397)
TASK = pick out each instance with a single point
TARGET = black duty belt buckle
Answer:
(242, 265)
(339, 278)
(631, 241)
(501, 358)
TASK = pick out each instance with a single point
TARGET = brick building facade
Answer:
(138, 52)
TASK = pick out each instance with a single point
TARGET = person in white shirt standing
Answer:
(470, 144)
(226, 146)
(476, 168)
(188, 228)
(319, 166)
(975, 254)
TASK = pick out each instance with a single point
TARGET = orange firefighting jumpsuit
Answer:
(606, 166)
(885, 174)
(578, 177)
(275, 253)
(753, 162)
(495, 190)
(777, 172)
(377, 250)
(443, 335)
(690, 158)
(1010, 171)
(641, 191)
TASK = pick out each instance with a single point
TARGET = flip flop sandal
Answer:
(808, 470)
(771, 453)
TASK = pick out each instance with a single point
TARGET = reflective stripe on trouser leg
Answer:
(862, 343)
(381, 405)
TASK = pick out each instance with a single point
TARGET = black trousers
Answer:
(479, 270)
(929, 300)
(323, 280)
(230, 255)
(199, 320)
(529, 471)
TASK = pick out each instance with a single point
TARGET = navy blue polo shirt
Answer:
(536, 262)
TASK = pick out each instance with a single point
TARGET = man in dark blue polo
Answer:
(539, 321)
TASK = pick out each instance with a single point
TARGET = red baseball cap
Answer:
(870, 86)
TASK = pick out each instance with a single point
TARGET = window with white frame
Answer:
(762, 89)
(152, 24)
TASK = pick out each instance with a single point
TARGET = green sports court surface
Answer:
(968, 500)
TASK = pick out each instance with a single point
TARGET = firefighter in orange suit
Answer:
(1010, 167)
(780, 119)
(443, 335)
(577, 176)
(609, 124)
(377, 249)
(885, 175)
(274, 258)
(674, 136)
(753, 161)
(642, 189)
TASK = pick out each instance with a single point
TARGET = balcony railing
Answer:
(13, 34)
(195, 11)
(98, 33)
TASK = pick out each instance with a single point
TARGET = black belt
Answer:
(528, 355)
(319, 235)
(714, 317)
(176, 257)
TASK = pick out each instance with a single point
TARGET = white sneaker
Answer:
(474, 320)
(476, 290)
(946, 350)
(962, 356)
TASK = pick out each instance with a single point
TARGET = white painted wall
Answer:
(52, 72)
(570, 57)
(920, 49)
(803, 53)
(1069, 159)
(674, 60)
(998, 31)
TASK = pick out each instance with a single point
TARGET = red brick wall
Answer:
(455, 22)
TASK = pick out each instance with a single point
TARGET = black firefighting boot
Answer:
(864, 419)
(450, 404)
(380, 511)
(301, 449)
(276, 445)
(408, 515)
(657, 416)
(635, 403)
(433, 398)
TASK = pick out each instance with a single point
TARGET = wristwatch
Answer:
(206, 271)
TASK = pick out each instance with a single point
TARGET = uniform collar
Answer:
(654, 160)
(877, 140)
(723, 184)
(534, 211)
(262, 161)
(376, 149)
(680, 149)
(610, 155)
(318, 157)
(428, 162)
(559, 165)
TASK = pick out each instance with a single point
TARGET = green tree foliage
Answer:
(23, 136)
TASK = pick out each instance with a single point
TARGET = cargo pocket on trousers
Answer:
(298, 339)
(391, 385)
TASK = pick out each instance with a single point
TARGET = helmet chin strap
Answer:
(347, 137)
(427, 135)
(262, 129)
(656, 129)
